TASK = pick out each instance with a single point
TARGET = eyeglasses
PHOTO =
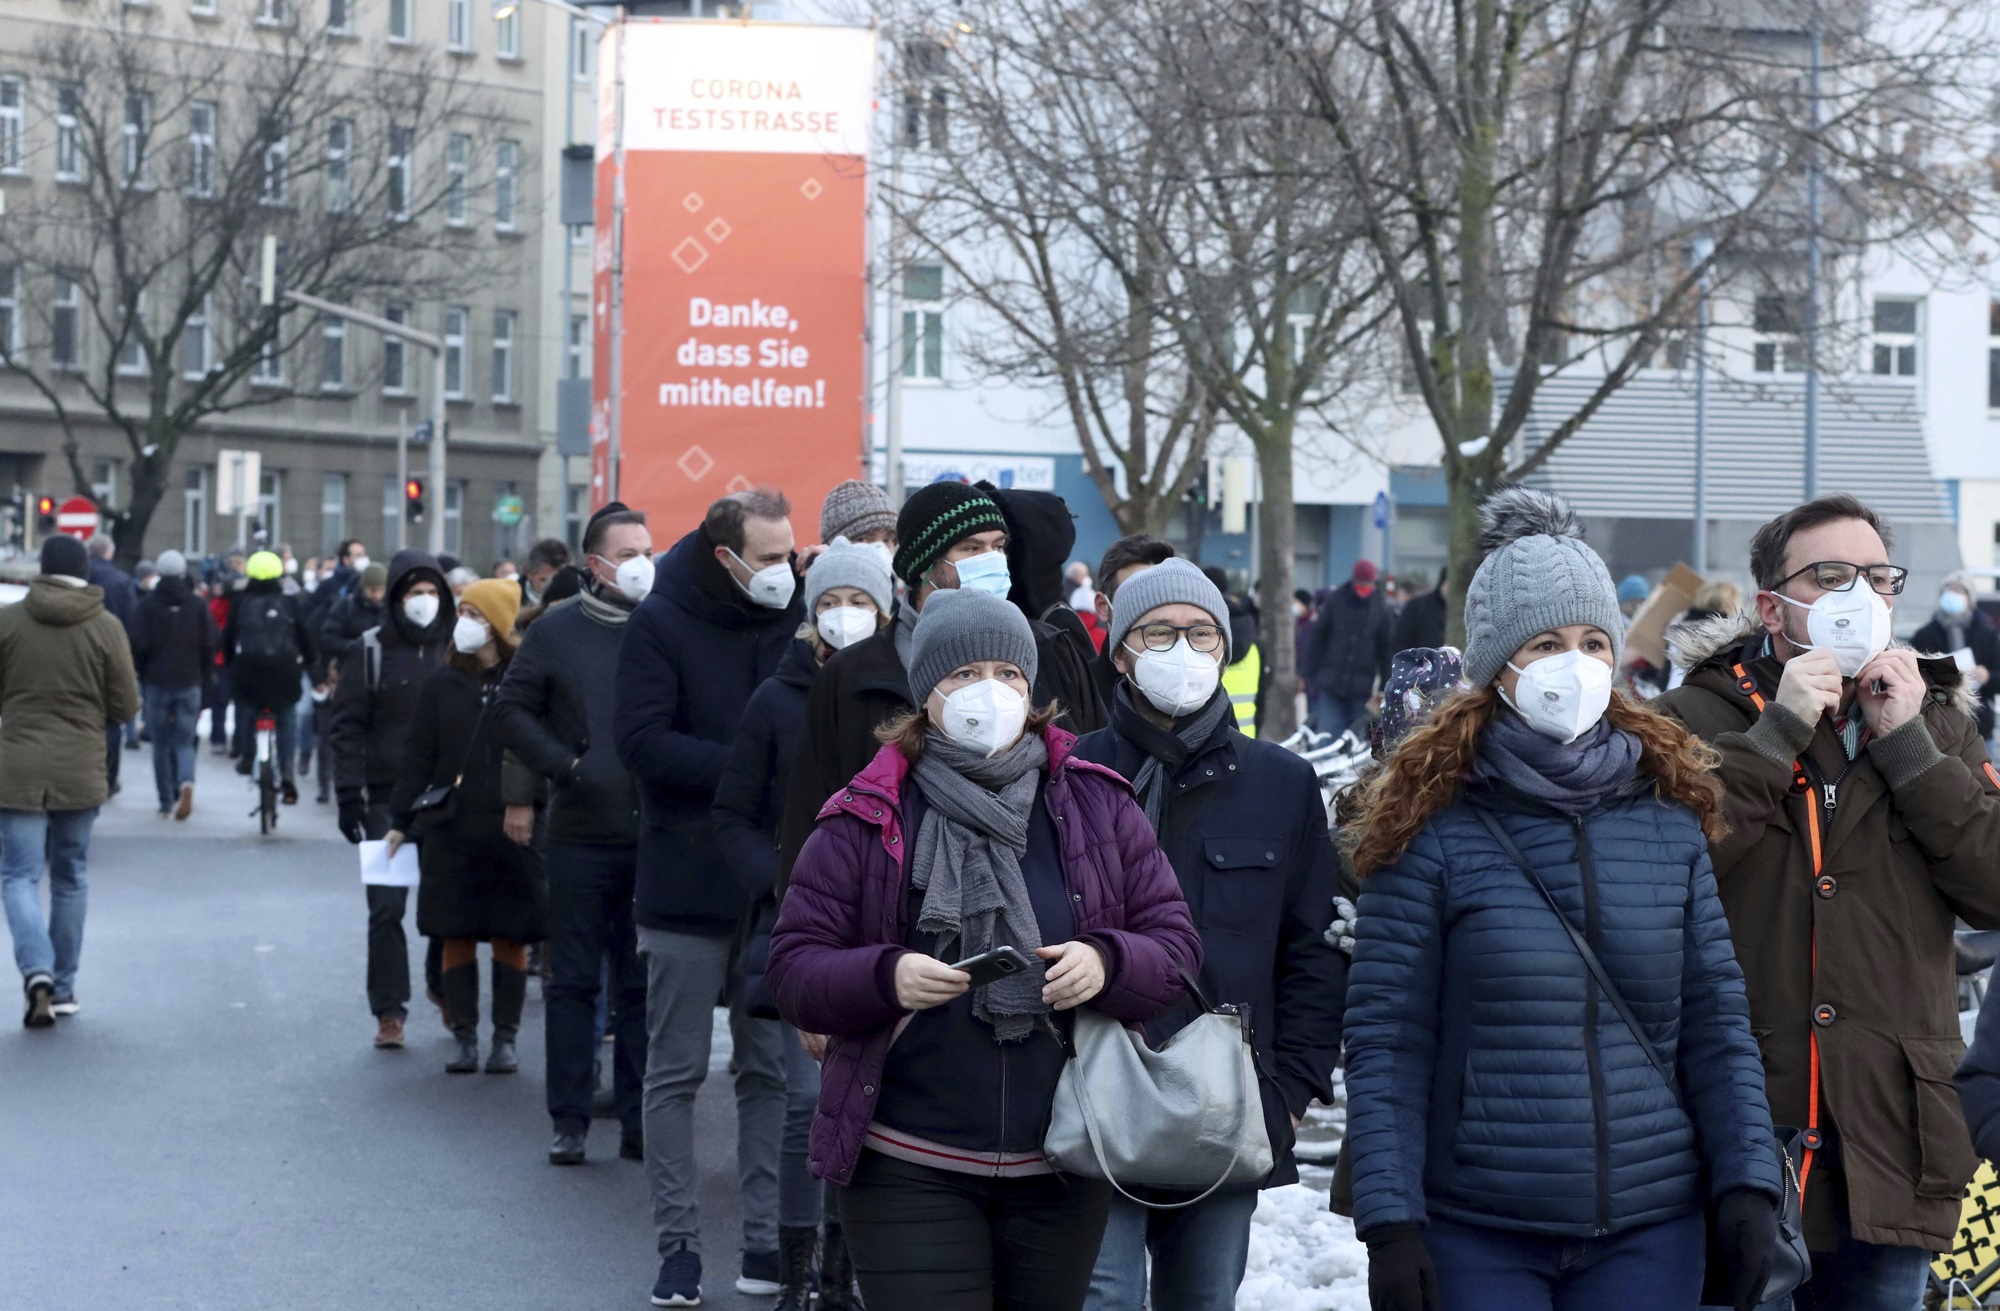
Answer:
(1839, 576)
(1161, 637)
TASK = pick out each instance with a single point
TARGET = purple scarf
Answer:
(1573, 778)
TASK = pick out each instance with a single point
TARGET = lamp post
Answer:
(1704, 250)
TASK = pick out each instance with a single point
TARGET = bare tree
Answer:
(135, 269)
(1545, 184)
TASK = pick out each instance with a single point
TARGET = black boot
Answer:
(510, 990)
(836, 1273)
(460, 989)
(795, 1269)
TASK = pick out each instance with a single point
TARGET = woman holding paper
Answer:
(479, 884)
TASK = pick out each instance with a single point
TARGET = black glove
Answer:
(1400, 1274)
(353, 821)
(1746, 1233)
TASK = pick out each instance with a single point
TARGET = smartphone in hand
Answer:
(993, 966)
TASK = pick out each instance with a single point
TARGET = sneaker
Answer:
(65, 1005)
(389, 1032)
(679, 1283)
(243, 765)
(289, 792)
(632, 1144)
(41, 999)
(760, 1275)
(567, 1149)
(305, 762)
(185, 806)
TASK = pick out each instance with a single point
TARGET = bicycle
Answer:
(265, 769)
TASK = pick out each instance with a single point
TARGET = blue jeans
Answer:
(1652, 1268)
(1334, 714)
(1859, 1276)
(799, 1194)
(27, 839)
(171, 713)
(1198, 1255)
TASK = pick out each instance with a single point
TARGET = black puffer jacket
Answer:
(1349, 648)
(371, 714)
(174, 640)
(556, 713)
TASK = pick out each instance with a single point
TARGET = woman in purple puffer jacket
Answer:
(973, 829)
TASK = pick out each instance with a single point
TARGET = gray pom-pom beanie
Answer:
(1537, 575)
(1169, 582)
(959, 626)
(846, 565)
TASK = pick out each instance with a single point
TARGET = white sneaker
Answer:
(65, 1005)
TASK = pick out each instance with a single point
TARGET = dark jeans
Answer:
(114, 751)
(1652, 1268)
(590, 929)
(1336, 714)
(1859, 1276)
(930, 1240)
(246, 735)
(388, 948)
(216, 702)
(170, 717)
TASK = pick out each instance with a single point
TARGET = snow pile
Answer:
(1302, 1256)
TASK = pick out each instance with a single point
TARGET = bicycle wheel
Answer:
(267, 776)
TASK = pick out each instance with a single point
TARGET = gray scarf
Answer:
(1167, 751)
(612, 612)
(906, 636)
(1572, 778)
(967, 864)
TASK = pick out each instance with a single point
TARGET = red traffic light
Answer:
(413, 490)
(45, 505)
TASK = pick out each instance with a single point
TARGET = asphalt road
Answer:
(215, 1130)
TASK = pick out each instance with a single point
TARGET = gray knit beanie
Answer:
(171, 564)
(846, 565)
(1169, 582)
(853, 509)
(1537, 575)
(960, 626)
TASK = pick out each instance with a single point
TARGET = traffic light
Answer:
(45, 515)
(413, 500)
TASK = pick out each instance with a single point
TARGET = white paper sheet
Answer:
(1964, 659)
(379, 868)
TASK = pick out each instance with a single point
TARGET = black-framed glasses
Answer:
(1204, 638)
(1839, 576)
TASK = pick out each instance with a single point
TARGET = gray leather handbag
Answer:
(1188, 1116)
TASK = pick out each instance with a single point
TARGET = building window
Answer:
(69, 133)
(332, 354)
(399, 19)
(394, 380)
(458, 25)
(194, 512)
(925, 119)
(1777, 321)
(392, 514)
(138, 110)
(506, 170)
(10, 310)
(104, 481)
(503, 357)
(583, 43)
(13, 123)
(270, 11)
(506, 536)
(277, 167)
(454, 517)
(202, 8)
(339, 150)
(270, 506)
(455, 319)
(576, 513)
(197, 351)
(923, 321)
(507, 36)
(66, 324)
(1895, 338)
(1993, 355)
(131, 343)
(340, 16)
(576, 349)
(457, 160)
(201, 149)
(269, 369)
(402, 141)
(332, 512)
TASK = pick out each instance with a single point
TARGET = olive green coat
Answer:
(1911, 840)
(65, 672)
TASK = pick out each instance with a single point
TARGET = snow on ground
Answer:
(1302, 1256)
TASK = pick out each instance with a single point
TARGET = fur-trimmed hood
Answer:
(1694, 643)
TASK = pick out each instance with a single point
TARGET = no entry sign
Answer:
(77, 517)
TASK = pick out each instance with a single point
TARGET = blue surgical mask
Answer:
(985, 573)
(1951, 603)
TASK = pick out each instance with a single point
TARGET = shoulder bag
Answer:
(1791, 1262)
(1188, 1116)
(440, 803)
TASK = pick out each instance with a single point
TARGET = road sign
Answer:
(1381, 510)
(508, 510)
(77, 517)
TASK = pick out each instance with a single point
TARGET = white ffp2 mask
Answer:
(468, 634)
(844, 625)
(987, 717)
(771, 587)
(1179, 680)
(1562, 696)
(1853, 625)
(634, 578)
(420, 610)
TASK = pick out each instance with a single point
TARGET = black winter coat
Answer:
(1245, 830)
(174, 639)
(1349, 648)
(121, 594)
(858, 691)
(694, 651)
(342, 622)
(337, 585)
(1422, 623)
(369, 722)
(1974, 630)
(476, 883)
(260, 682)
(555, 713)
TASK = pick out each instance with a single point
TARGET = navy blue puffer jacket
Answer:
(1490, 1082)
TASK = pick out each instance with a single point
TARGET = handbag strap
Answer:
(471, 743)
(1590, 961)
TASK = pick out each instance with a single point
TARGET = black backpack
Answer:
(265, 631)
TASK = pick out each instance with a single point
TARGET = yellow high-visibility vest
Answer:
(1240, 680)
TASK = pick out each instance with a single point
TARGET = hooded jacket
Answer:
(65, 672)
(1041, 533)
(371, 716)
(174, 640)
(694, 651)
(1842, 880)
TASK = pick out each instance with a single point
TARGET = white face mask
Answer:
(469, 634)
(420, 610)
(309, 579)
(844, 625)
(1853, 625)
(291, 566)
(986, 717)
(1562, 696)
(359, 563)
(1179, 680)
(634, 578)
(986, 573)
(770, 587)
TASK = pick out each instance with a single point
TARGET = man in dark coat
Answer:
(1422, 622)
(1244, 826)
(379, 674)
(1040, 533)
(722, 613)
(556, 712)
(121, 599)
(266, 645)
(1349, 650)
(174, 643)
(1863, 817)
(1123, 558)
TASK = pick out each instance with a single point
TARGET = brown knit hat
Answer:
(854, 508)
(498, 599)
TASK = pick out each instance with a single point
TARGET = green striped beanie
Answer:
(937, 517)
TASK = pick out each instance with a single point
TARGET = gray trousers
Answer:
(685, 974)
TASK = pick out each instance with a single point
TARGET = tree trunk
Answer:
(149, 488)
(1277, 638)
(1464, 490)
